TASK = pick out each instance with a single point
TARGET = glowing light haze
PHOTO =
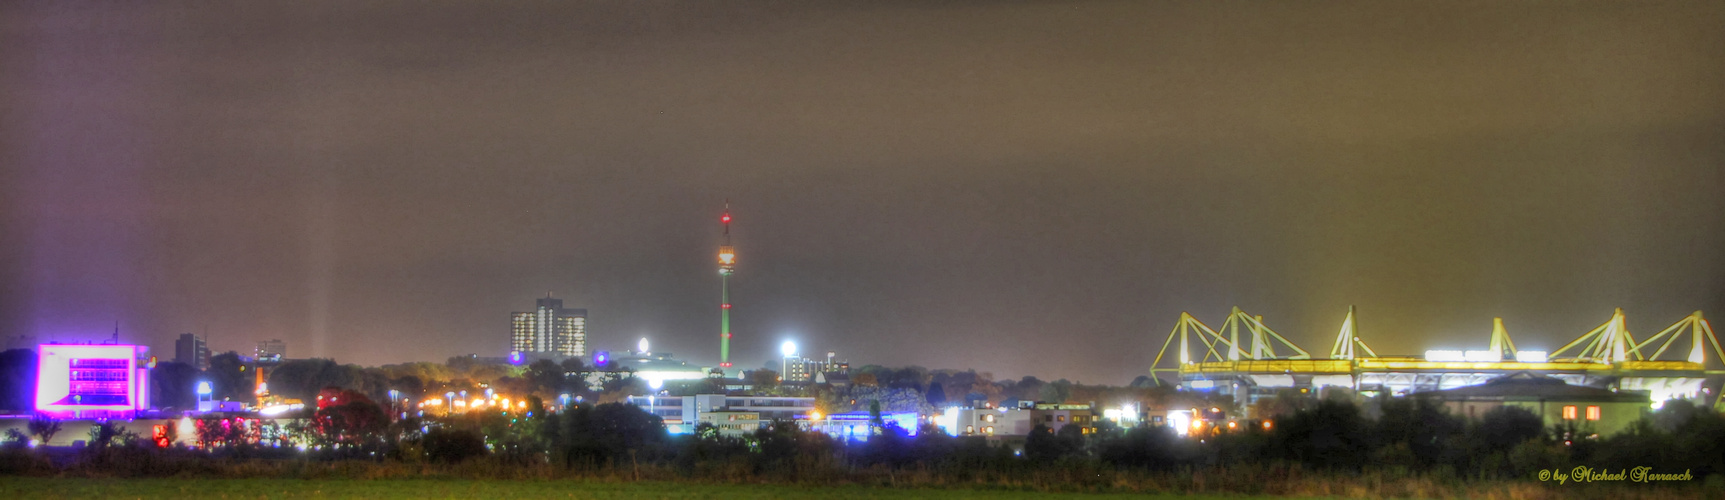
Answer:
(1018, 187)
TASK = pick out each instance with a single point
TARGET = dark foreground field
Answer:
(81, 489)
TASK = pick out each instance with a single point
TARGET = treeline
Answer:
(1413, 449)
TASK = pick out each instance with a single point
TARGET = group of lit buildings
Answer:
(739, 415)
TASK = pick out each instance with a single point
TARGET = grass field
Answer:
(83, 489)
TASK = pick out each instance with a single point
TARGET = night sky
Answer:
(1015, 187)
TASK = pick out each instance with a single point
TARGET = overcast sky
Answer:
(1017, 187)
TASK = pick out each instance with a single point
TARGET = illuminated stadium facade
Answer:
(1247, 359)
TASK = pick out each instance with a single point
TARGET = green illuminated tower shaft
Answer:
(727, 265)
(725, 320)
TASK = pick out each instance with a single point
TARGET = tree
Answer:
(1287, 402)
(936, 395)
(763, 379)
(546, 377)
(410, 385)
(1332, 435)
(1044, 445)
(18, 369)
(1058, 391)
(910, 377)
(231, 378)
(452, 445)
(608, 433)
(1419, 425)
(1154, 447)
(43, 427)
(174, 385)
(891, 400)
(1505, 427)
(348, 417)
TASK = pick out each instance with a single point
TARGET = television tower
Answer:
(727, 265)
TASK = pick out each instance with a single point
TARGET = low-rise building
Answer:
(653, 367)
(1591, 409)
(734, 422)
(1015, 421)
(859, 425)
(682, 413)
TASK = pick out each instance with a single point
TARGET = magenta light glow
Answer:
(88, 381)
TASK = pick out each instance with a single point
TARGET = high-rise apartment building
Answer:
(191, 350)
(797, 368)
(550, 330)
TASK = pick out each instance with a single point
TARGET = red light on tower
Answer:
(725, 218)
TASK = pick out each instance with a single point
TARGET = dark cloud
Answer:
(1026, 188)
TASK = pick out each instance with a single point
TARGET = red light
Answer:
(725, 219)
(725, 306)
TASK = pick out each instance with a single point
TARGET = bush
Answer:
(452, 446)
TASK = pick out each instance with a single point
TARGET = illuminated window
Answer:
(1593, 413)
(969, 429)
(988, 418)
(1061, 418)
(1569, 413)
(988, 430)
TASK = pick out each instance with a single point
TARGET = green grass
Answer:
(82, 489)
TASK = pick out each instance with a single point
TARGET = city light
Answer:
(1482, 356)
(274, 410)
(1180, 421)
(1530, 356)
(788, 348)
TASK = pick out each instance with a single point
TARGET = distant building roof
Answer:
(654, 362)
(834, 378)
(1529, 386)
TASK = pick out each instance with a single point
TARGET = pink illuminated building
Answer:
(91, 381)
